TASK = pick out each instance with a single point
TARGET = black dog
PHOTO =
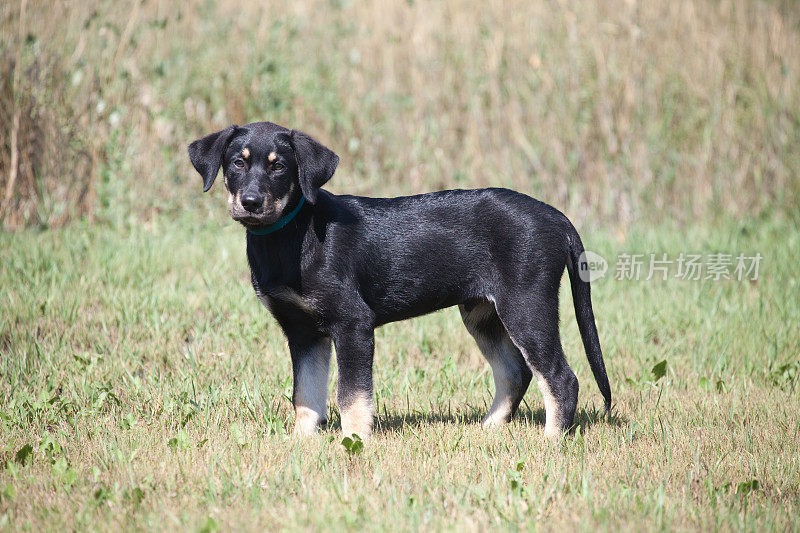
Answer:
(336, 267)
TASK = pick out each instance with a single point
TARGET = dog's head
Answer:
(266, 168)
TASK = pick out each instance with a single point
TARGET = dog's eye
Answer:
(238, 163)
(277, 166)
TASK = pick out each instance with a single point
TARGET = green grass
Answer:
(143, 386)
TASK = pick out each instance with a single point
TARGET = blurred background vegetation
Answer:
(618, 112)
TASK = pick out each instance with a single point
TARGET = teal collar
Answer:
(281, 222)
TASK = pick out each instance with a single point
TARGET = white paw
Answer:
(306, 421)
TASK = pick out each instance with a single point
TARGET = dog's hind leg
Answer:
(511, 374)
(531, 319)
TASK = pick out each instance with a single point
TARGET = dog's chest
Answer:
(283, 296)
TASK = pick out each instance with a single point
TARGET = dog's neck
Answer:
(274, 256)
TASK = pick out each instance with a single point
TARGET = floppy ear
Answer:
(315, 163)
(206, 154)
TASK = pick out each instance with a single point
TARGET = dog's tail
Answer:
(582, 299)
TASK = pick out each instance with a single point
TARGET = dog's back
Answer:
(439, 249)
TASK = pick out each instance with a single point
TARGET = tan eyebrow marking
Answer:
(272, 157)
(246, 153)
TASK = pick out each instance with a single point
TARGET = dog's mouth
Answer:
(254, 219)
(249, 220)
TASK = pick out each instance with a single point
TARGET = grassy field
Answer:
(143, 387)
(150, 389)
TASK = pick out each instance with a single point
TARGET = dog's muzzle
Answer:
(252, 203)
(252, 209)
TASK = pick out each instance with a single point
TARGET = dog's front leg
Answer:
(354, 353)
(310, 362)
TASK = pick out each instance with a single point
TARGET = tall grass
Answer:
(615, 111)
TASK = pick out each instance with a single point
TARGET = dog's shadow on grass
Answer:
(585, 418)
(595, 416)
(388, 422)
(398, 421)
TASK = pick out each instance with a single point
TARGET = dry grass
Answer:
(623, 111)
(48, 162)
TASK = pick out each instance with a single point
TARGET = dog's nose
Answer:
(251, 202)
